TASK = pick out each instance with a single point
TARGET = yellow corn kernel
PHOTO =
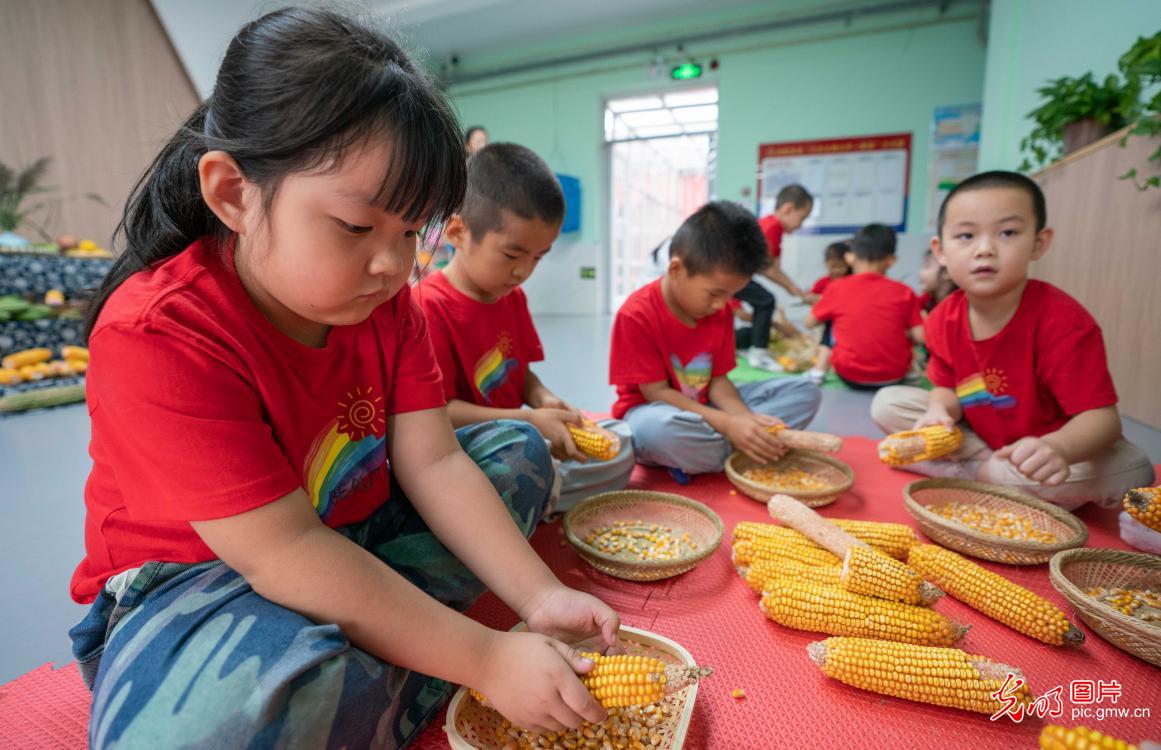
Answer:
(785, 479)
(640, 541)
(1144, 506)
(746, 551)
(1054, 737)
(761, 572)
(910, 446)
(995, 596)
(868, 571)
(1001, 523)
(594, 441)
(807, 605)
(893, 539)
(940, 676)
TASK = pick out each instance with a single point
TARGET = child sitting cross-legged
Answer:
(673, 344)
(1018, 360)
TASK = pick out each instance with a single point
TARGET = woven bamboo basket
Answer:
(1072, 571)
(1069, 530)
(682, 515)
(838, 476)
(472, 726)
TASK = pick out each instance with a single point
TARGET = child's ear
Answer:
(227, 192)
(456, 232)
(937, 250)
(891, 261)
(675, 266)
(849, 258)
(1043, 243)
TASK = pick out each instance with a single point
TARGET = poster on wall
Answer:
(854, 181)
(955, 152)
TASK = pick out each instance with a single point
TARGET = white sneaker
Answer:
(816, 376)
(761, 359)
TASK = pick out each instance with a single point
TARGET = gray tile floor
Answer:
(44, 461)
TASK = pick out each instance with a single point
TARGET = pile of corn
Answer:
(785, 479)
(629, 728)
(636, 541)
(1054, 737)
(1144, 604)
(1000, 523)
(1144, 506)
(37, 364)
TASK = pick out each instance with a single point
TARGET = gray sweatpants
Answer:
(664, 435)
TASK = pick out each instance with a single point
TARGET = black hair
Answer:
(297, 90)
(509, 177)
(795, 195)
(836, 251)
(471, 131)
(874, 242)
(999, 179)
(720, 235)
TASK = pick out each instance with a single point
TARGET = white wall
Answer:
(1033, 41)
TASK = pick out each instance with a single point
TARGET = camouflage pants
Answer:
(190, 656)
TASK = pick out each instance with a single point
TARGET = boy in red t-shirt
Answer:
(835, 257)
(673, 344)
(1021, 361)
(478, 317)
(875, 320)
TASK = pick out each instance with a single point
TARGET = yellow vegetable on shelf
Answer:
(78, 366)
(26, 358)
(74, 352)
(9, 376)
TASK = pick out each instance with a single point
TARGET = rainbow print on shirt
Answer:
(985, 389)
(351, 448)
(492, 369)
(695, 375)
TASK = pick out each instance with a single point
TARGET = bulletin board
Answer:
(854, 181)
(955, 151)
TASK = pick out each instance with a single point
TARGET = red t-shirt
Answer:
(772, 229)
(871, 315)
(821, 285)
(926, 301)
(202, 409)
(1046, 366)
(649, 344)
(483, 349)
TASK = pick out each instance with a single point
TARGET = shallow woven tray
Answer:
(1069, 530)
(679, 513)
(1072, 571)
(472, 726)
(837, 474)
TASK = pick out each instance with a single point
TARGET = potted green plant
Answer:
(1142, 64)
(1076, 112)
(15, 189)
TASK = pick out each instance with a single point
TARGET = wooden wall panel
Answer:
(94, 85)
(1107, 254)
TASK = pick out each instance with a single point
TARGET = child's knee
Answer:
(893, 408)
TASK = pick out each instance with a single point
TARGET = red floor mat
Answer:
(710, 611)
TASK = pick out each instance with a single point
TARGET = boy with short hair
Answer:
(1021, 361)
(673, 344)
(478, 316)
(874, 320)
(835, 258)
(791, 207)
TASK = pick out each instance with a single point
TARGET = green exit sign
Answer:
(588, 272)
(686, 72)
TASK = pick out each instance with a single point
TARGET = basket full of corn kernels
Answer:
(1116, 593)
(990, 522)
(811, 477)
(660, 724)
(642, 536)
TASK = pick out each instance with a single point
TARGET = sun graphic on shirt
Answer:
(361, 414)
(504, 343)
(995, 381)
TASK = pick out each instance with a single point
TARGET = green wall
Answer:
(877, 75)
(1033, 41)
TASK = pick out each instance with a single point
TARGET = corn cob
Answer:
(803, 440)
(761, 572)
(806, 605)
(816, 528)
(870, 572)
(27, 357)
(892, 539)
(1144, 505)
(9, 376)
(925, 444)
(994, 595)
(55, 396)
(940, 676)
(74, 352)
(595, 441)
(1053, 737)
(632, 680)
(746, 551)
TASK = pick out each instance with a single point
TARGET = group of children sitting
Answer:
(1017, 363)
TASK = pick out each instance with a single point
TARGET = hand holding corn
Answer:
(810, 441)
(925, 444)
(595, 441)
